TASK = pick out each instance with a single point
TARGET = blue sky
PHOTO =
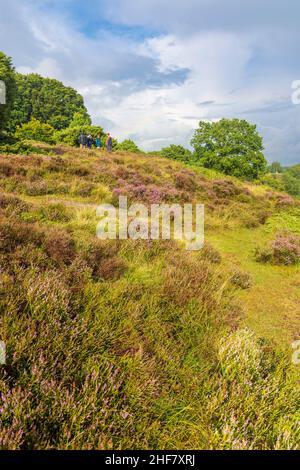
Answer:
(151, 69)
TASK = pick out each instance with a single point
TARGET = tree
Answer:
(276, 167)
(176, 152)
(35, 130)
(8, 89)
(128, 146)
(46, 100)
(71, 135)
(80, 119)
(233, 147)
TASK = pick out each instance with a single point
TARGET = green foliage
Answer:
(274, 180)
(46, 100)
(288, 180)
(21, 148)
(176, 152)
(233, 147)
(291, 182)
(71, 135)
(80, 119)
(7, 76)
(35, 130)
(128, 145)
(275, 167)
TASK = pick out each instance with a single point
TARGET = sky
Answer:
(150, 70)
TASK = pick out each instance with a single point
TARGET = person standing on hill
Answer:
(108, 142)
(82, 140)
(89, 141)
(98, 141)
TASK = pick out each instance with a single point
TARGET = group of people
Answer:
(87, 141)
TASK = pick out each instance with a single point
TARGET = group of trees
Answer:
(231, 146)
(283, 178)
(44, 109)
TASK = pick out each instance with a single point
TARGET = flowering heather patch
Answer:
(284, 250)
(150, 194)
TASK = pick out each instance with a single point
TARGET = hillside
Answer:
(141, 344)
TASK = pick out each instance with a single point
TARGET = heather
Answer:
(139, 344)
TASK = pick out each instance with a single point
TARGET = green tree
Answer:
(233, 147)
(8, 89)
(71, 135)
(128, 145)
(35, 130)
(46, 100)
(275, 167)
(80, 119)
(177, 152)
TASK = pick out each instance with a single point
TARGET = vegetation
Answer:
(44, 99)
(285, 179)
(128, 146)
(138, 343)
(117, 345)
(7, 76)
(176, 152)
(285, 249)
(35, 130)
(233, 147)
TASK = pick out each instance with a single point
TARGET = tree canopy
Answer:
(7, 76)
(35, 130)
(45, 99)
(128, 145)
(176, 152)
(232, 146)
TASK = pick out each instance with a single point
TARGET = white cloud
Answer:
(209, 62)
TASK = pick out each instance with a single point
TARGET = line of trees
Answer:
(45, 109)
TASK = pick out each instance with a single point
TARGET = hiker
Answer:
(98, 142)
(89, 141)
(82, 140)
(108, 142)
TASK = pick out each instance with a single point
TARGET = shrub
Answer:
(284, 250)
(59, 246)
(241, 279)
(36, 130)
(210, 254)
(70, 135)
(185, 180)
(128, 146)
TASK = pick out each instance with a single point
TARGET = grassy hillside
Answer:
(141, 344)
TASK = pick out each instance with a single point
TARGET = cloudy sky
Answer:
(151, 69)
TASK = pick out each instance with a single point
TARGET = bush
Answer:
(71, 134)
(128, 146)
(36, 130)
(284, 250)
(60, 247)
(241, 279)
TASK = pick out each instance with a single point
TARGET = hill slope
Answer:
(137, 344)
